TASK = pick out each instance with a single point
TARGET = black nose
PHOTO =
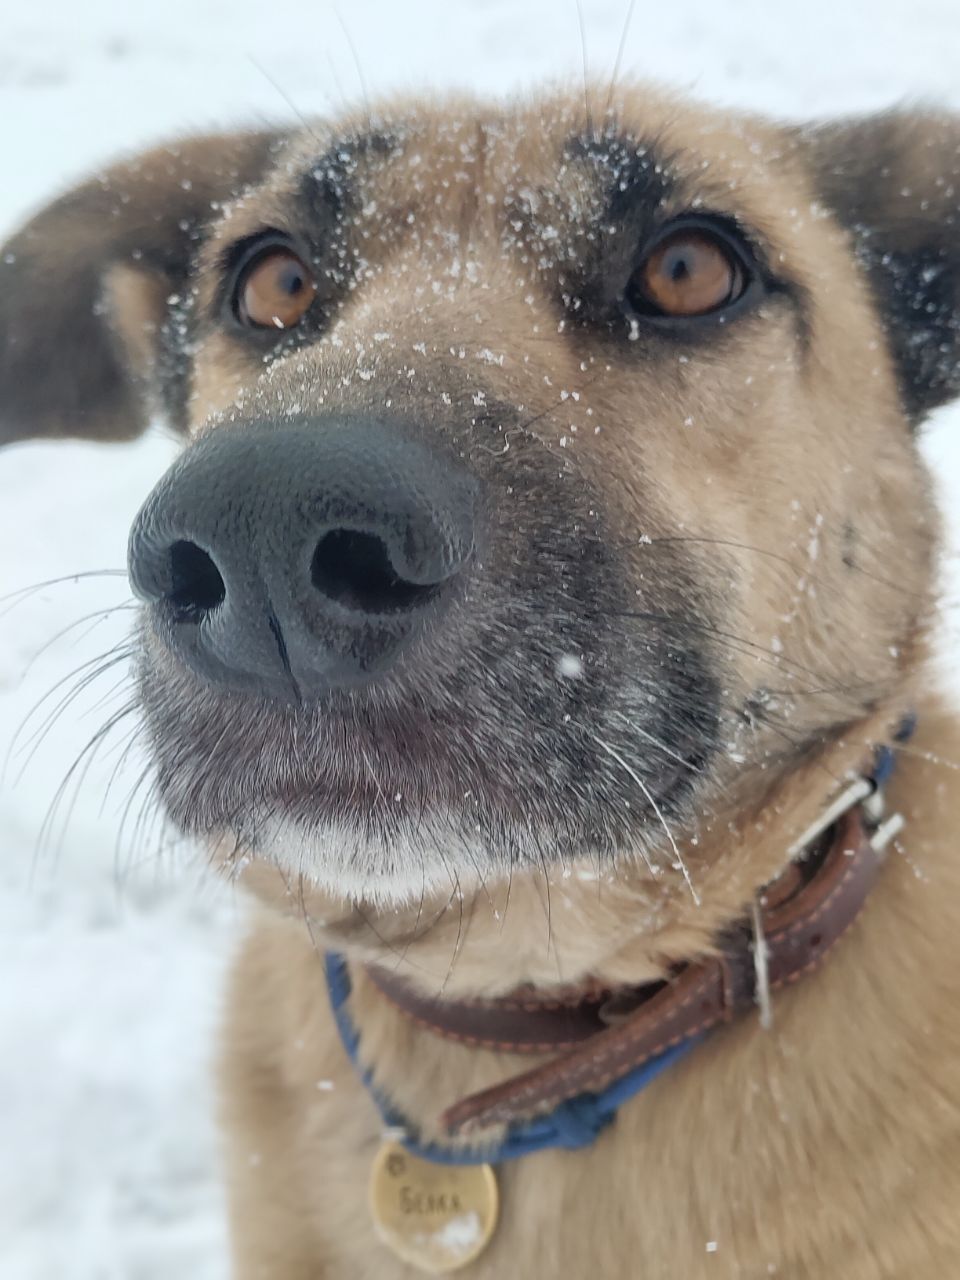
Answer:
(303, 556)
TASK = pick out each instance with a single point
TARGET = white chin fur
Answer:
(386, 872)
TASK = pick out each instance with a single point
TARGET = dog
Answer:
(549, 564)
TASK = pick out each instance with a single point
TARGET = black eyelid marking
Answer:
(636, 174)
(724, 226)
(328, 187)
(240, 253)
(631, 179)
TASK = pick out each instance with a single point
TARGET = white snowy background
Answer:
(111, 952)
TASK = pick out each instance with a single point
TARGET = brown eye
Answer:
(276, 290)
(690, 273)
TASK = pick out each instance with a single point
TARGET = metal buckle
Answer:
(886, 832)
(862, 791)
(857, 791)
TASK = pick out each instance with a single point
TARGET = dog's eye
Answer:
(275, 290)
(691, 272)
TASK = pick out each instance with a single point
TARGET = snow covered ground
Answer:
(111, 954)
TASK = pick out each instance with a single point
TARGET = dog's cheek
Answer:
(223, 373)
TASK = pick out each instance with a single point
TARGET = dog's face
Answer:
(550, 484)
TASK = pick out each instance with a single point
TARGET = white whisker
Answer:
(373, 776)
(679, 862)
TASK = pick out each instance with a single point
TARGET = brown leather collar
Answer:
(600, 1035)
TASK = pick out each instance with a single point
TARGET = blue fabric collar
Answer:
(572, 1125)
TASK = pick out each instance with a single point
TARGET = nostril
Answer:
(355, 569)
(196, 585)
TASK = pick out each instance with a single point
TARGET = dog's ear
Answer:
(84, 286)
(894, 181)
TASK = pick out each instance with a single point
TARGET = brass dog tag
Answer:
(437, 1217)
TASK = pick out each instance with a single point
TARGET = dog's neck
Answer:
(610, 1043)
(573, 923)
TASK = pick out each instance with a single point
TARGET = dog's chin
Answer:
(392, 865)
(391, 850)
(415, 833)
(370, 824)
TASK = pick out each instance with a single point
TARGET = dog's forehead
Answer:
(459, 163)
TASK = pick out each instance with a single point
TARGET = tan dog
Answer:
(553, 547)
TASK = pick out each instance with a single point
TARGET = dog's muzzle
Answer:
(293, 558)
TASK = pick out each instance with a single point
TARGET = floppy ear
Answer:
(84, 286)
(894, 181)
